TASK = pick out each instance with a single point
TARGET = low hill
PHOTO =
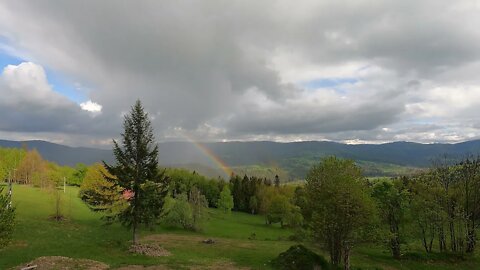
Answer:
(270, 157)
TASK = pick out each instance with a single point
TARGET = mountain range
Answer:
(263, 157)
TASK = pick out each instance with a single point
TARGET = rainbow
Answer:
(212, 156)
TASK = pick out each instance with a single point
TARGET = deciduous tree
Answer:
(225, 202)
(342, 208)
(392, 202)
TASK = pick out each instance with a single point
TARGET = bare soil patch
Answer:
(150, 249)
(64, 263)
(141, 267)
(220, 265)
(174, 240)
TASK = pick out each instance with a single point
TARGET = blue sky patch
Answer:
(6, 59)
(58, 81)
(64, 86)
(328, 83)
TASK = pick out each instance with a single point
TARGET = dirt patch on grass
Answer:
(19, 244)
(153, 250)
(220, 265)
(175, 240)
(64, 263)
(198, 242)
(141, 267)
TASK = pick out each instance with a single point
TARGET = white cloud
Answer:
(91, 106)
(30, 107)
(27, 81)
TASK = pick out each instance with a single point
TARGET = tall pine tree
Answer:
(136, 172)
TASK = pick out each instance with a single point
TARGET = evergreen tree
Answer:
(237, 192)
(136, 171)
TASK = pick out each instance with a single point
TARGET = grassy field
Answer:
(83, 235)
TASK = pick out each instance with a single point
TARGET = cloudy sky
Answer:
(349, 71)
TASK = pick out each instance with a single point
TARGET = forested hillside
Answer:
(270, 158)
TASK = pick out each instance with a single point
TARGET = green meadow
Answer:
(84, 235)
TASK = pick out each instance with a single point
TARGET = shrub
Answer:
(299, 257)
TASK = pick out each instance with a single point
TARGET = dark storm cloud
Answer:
(223, 69)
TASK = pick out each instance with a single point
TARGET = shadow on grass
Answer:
(436, 257)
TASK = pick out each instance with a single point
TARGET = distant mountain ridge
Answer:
(62, 154)
(295, 157)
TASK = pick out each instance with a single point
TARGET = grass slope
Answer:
(83, 235)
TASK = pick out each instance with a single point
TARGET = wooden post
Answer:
(9, 190)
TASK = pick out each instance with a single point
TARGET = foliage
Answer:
(342, 209)
(199, 206)
(298, 257)
(446, 205)
(100, 194)
(392, 199)
(182, 181)
(78, 175)
(9, 160)
(177, 212)
(247, 193)
(7, 218)
(278, 210)
(300, 200)
(294, 216)
(32, 163)
(136, 171)
(253, 204)
(225, 202)
(188, 212)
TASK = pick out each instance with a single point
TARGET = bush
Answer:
(7, 218)
(299, 258)
(177, 212)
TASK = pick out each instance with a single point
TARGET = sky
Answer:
(347, 71)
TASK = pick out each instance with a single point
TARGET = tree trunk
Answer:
(471, 240)
(395, 240)
(441, 241)
(430, 245)
(453, 238)
(136, 200)
(395, 246)
(134, 236)
(424, 240)
(335, 252)
(346, 257)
